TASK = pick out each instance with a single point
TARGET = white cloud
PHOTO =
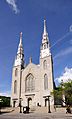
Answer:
(12, 3)
(63, 52)
(7, 94)
(70, 28)
(67, 74)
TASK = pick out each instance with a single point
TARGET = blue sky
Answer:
(27, 16)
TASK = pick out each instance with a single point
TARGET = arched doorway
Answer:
(14, 103)
(29, 102)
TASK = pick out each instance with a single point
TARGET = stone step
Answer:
(41, 110)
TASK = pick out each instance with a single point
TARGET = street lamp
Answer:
(49, 104)
(20, 104)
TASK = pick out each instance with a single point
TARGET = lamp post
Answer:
(20, 104)
(49, 104)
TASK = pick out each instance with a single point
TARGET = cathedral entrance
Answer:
(14, 102)
(29, 102)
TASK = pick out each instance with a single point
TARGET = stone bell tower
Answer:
(46, 66)
(16, 75)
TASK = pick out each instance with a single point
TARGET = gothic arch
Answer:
(45, 64)
(29, 83)
(15, 87)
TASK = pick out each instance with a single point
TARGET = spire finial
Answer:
(20, 38)
(21, 35)
(30, 60)
(45, 32)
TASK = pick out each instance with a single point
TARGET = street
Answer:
(36, 116)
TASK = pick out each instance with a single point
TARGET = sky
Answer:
(27, 16)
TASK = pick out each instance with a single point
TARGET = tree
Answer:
(68, 92)
(57, 92)
(64, 89)
(5, 101)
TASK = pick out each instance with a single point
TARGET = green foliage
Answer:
(5, 101)
(57, 95)
(63, 89)
(68, 92)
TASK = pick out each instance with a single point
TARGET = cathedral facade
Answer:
(32, 84)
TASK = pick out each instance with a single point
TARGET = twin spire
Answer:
(20, 53)
(20, 47)
(45, 39)
(20, 38)
(45, 47)
(45, 34)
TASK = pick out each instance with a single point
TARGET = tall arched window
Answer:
(16, 72)
(29, 83)
(45, 81)
(45, 64)
(15, 87)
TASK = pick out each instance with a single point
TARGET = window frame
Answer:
(45, 82)
(16, 72)
(45, 64)
(15, 86)
(29, 83)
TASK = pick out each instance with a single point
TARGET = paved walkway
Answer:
(36, 116)
(10, 113)
(59, 114)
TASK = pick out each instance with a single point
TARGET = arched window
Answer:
(15, 87)
(16, 72)
(45, 81)
(29, 83)
(45, 64)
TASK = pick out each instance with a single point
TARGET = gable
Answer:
(31, 69)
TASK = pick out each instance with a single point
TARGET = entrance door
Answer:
(14, 102)
(29, 102)
(46, 102)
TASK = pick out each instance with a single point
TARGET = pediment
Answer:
(30, 68)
